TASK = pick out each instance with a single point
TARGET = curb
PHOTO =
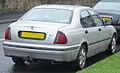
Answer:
(7, 21)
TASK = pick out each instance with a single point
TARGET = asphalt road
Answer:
(7, 66)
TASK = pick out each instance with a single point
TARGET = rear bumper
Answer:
(49, 52)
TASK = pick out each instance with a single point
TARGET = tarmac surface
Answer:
(8, 18)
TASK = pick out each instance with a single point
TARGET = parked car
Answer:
(59, 33)
(109, 10)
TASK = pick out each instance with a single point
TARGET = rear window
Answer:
(49, 15)
(108, 6)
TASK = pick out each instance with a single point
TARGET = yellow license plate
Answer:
(106, 18)
(32, 35)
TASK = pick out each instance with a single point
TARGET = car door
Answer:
(91, 33)
(103, 33)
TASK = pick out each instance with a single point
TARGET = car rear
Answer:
(39, 36)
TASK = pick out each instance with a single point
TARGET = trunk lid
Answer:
(35, 32)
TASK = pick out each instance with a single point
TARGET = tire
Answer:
(18, 60)
(112, 46)
(80, 63)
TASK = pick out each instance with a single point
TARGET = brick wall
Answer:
(7, 6)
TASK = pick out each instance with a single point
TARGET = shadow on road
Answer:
(43, 68)
(56, 68)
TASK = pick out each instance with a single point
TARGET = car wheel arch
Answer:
(115, 34)
(86, 45)
(110, 50)
(75, 63)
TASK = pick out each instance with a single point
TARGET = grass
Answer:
(109, 65)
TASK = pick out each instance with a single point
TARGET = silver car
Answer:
(59, 33)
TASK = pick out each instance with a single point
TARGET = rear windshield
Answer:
(108, 6)
(49, 15)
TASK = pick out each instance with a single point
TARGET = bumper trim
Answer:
(42, 48)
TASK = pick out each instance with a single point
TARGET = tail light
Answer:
(60, 38)
(8, 34)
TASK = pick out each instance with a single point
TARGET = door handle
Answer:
(99, 29)
(86, 31)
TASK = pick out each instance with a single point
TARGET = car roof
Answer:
(69, 7)
(110, 1)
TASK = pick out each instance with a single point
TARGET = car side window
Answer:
(96, 19)
(85, 19)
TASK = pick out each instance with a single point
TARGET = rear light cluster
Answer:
(8, 34)
(60, 38)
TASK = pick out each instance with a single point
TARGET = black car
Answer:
(110, 10)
